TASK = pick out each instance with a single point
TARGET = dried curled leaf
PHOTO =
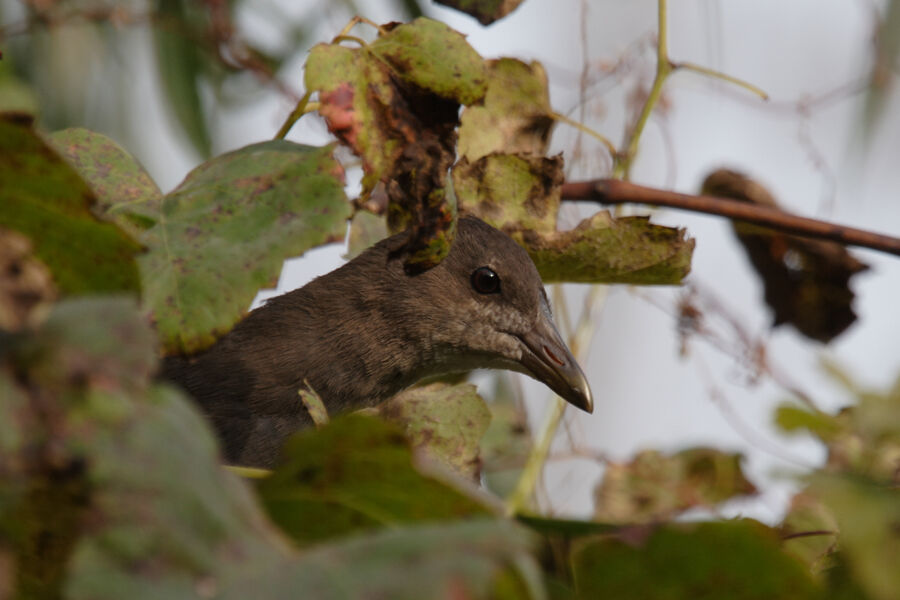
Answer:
(806, 281)
(486, 11)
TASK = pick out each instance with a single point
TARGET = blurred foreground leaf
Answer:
(125, 192)
(741, 560)
(180, 61)
(110, 489)
(357, 474)
(868, 514)
(366, 229)
(42, 198)
(445, 421)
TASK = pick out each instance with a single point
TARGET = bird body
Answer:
(361, 333)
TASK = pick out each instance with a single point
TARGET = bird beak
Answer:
(549, 360)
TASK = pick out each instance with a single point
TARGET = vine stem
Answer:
(622, 170)
(519, 500)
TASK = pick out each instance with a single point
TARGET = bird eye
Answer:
(485, 281)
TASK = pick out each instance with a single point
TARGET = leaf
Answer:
(446, 422)
(486, 11)
(740, 560)
(356, 474)
(520, 195)
(807, 514)
(179, 58)
(515, 117)
(44, 199)
(867, 514)
(602, 249)
(510, 191)
(654, 486)
(365, 230)
(863, 439)
(313, 405)
(125, 192)
(225, 231)
(478, 559)
(506, 444)
(395, 103)
(433, 57)
(806, 281)
(110, 489)
(791, 418)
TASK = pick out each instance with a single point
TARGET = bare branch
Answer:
(613, 191)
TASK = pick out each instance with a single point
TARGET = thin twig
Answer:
(801, 534)
(610, 147)
(520, 498)
(613, 191)
(299, 111)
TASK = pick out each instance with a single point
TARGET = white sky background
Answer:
(645, 395)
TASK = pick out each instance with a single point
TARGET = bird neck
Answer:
(352, 339)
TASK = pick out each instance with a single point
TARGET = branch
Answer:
(613, 191)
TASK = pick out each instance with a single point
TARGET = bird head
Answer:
(487, 308)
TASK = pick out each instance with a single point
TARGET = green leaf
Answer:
(355, 90)
(125, 192)
(515, 117)
(791, 418)
(520, 194)
(225, 231)
(44, 199)
(356, 474)
(365, 230)
(602, 249)
(179, 58)
(506, 444)
(740, 560)
(655, 486)
(110, 489)
(477, 559)
(395, 103)
(446, 422)
(435, 58)
(808, 514)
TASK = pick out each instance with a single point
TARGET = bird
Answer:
(362, 333)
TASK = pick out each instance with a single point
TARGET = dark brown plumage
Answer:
(367, 330)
